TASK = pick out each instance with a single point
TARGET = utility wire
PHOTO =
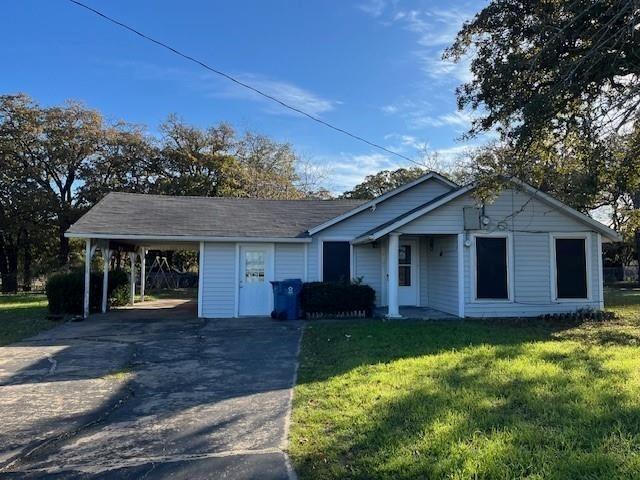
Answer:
(243, 84)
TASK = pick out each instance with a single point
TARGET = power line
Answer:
(242, 84)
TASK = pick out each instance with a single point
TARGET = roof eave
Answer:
(184, 238)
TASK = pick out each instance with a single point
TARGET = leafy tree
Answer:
(382, 182)
(268, 168)
(52, 145)
(194, 161)
(127, 161)
(547, 72)
(540, 65)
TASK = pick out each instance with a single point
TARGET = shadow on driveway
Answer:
(150, 390)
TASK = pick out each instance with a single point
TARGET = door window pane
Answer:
(254, 266)
(404, 255)
(491, 268)
(571, 268)
(404, 276)
(404, 266)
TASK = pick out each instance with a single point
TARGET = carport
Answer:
(136, 249)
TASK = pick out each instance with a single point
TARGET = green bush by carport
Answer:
(65, 291)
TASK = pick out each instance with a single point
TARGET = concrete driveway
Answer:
(149, 393)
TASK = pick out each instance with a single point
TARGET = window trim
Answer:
(553, 267)
(510, 262)
(321, 255)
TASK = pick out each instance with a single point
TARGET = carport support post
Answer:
(87, 277)
(392, 255)
(143, 271)
(106, 255)
(132, 259)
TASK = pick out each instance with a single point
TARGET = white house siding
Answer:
(532, 281)
(368, 265)
(442, 274)
(289, 261)
(366, 220)
(218, 280)
(532, 253)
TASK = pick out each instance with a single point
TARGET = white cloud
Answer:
(214, 86)
(435, 29)
(375, 8)
(455, 119)
(287, 92)
(348, 170)
(438, 69)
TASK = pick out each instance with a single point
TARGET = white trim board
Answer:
(381, 198)
(200, 279)
(460, 275)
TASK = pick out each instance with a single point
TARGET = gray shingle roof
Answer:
(160, 215)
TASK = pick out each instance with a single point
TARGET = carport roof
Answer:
(124, 215)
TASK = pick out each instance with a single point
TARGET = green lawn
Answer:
(21, 316)
(473, 399)
(170, 293)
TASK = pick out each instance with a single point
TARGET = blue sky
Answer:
(372, 67)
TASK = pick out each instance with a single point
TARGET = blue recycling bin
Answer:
(286, 299)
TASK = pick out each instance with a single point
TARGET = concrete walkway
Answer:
(149, 392)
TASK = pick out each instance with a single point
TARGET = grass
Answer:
(470, 399)
(170, 293)
(21, 316)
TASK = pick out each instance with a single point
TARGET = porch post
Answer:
(392, 255)
(87, 277)
(143, 271)
(132, 259)
(106, 256)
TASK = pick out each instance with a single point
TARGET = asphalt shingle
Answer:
(162, 215)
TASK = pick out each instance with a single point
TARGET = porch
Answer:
(416, 313)
(422, 274)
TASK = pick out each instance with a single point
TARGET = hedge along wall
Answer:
(336, 298)
(65, 291)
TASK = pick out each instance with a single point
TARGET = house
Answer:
(426, 244)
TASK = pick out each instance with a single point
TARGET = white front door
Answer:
(256, 269)
(408, 272)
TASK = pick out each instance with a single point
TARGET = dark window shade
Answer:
(571, 268)
(491, 268)
(335, 262)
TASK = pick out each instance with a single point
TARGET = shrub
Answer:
(336, 298)
(65, 291)
(120, 296)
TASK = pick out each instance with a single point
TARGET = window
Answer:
(254, 266)
(336, 261)
(571, 268)
(491, 268)
(404, 266)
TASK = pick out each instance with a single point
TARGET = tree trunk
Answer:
(636, 204)
(637, 234)
(4, 269)
(26, 262)
(9, 268)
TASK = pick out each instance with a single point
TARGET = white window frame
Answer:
(553, 267)
(321, 255)
(510, 262)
